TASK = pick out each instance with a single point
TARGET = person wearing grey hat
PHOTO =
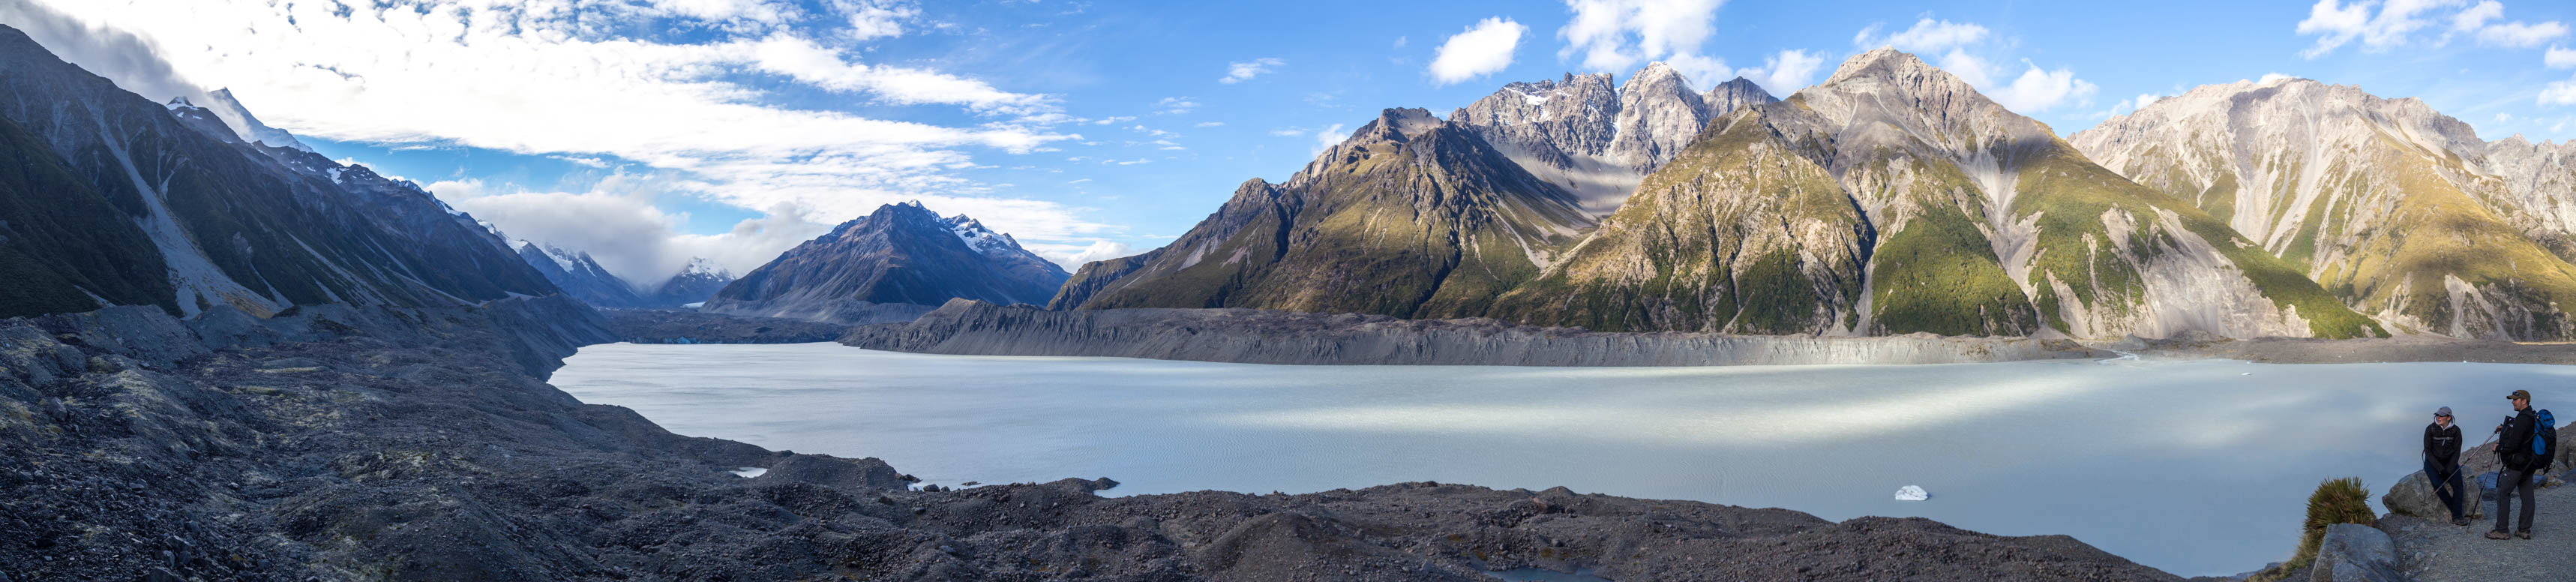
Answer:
(2518, 467)
(2442, 463)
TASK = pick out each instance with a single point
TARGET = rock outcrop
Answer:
(2356, 553)
(2413, 496)
(2396, 208)
(1276, 337)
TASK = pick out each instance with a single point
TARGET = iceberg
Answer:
(1911, 493)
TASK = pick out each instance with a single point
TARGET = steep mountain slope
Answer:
(1894, 198)
(2540, 184)
(1411, 216)
(892, 264)
(579, 276)
(2391, 205)
(227, 222)
(1597, 141)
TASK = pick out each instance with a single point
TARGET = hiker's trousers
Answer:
(2449, 491)
(2506, 484)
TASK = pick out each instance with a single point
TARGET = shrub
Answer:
(2336, 501)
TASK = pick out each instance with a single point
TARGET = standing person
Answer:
(2515, 451)
(2442, 463)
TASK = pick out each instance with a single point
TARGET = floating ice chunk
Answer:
(749, 472)
(1911, 493)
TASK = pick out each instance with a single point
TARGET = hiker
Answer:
(2515, 451)
(2442, 463)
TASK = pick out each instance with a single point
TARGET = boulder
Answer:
(2356, 553)
(828, 471)
(2413, 496)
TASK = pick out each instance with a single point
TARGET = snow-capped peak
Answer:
(983, 240)
(221, 103)
(700, 266)
(178, 103)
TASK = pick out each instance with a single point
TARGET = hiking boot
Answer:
(2459, 521)
(2524, 535)
(2498, 535)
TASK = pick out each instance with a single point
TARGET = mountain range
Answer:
(581, 277)
(892, 265)
(114, 199)
(1891, 198)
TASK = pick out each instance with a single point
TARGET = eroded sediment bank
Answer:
(1277, 337)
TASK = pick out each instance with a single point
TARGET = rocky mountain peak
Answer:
(1882, 61)
(1736, 94)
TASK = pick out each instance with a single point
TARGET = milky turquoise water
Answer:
(2193, 467)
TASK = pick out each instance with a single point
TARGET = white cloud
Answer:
(1079, 181)
(2396, 23)
(1245, 71)
(1484, 49)
(873, 19)
(1113, 120)
(543, 79)
(1616, 35)
(1208, 124)
(2268, 78)
(1100, 250)
(1329, 136)
(1175, 105)
(1701, 72)
(2129, 105)
(2504, 117)
(2559, 58)
(618, 223)
(2559, 93)
(2521, 35)
(2041, 90)
(1288, 132)
(1927, 36)
(1786, 72)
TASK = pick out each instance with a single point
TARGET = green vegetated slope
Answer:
(1411, 217)
(1889, 199)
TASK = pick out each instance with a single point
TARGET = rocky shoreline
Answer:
(342, 443)
(1279, 337)
(681, 326)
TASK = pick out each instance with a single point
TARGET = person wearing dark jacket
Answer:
(2515, 450)
(2442, 462)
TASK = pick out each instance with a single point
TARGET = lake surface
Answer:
(2197, 468)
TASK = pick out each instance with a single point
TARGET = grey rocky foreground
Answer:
(1278, 337)
(418, 444)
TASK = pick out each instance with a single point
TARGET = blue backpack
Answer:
(2543, 435)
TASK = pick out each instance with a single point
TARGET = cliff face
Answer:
(1595, 140)
(890, 265)
(2399, 210)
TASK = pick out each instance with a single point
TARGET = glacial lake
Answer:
(2197, 468)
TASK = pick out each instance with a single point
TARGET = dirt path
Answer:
(2436, 551)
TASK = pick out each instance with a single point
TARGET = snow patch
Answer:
(749, 472)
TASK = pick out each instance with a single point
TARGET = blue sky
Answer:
(650, 131)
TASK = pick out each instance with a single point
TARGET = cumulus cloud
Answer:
(2040, 89)
(2559, 58)
(1926, 36)
(1100, 250)
(1328, 137)
(1245, 71)
(2559, 93)
(543, 78)
(1786, 72)
(1616, 35)
(2268, 78)
(1484, 49)
(873, 20)
(619, 224)
(2396, 23)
